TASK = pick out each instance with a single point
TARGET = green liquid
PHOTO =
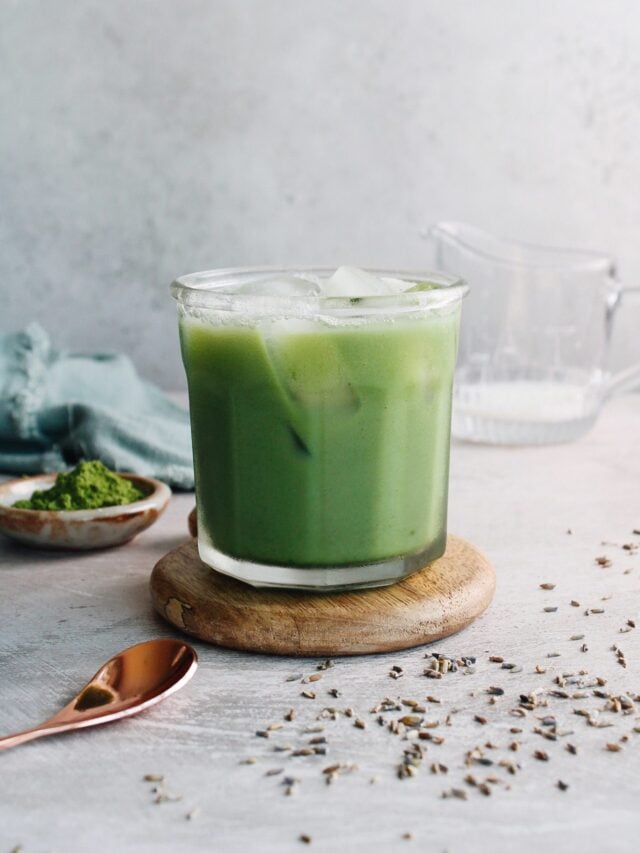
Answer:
(322, 448)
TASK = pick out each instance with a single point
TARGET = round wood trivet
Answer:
(444, 597)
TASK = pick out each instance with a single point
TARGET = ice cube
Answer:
(310, 367)
(421, 286)
(290, 286)
(397, 285)
(354, 282)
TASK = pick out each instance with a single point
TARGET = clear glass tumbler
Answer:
(321, 426)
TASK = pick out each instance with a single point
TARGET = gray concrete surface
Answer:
(63, 614)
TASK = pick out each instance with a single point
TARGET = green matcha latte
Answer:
(320, 411)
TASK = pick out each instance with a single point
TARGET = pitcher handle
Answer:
(629, 377)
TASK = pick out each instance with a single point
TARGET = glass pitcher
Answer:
(533, 365)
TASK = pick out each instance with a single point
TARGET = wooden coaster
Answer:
(444, 597)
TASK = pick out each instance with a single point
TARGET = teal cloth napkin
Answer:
(57, 408)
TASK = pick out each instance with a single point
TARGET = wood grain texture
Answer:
(440, 600)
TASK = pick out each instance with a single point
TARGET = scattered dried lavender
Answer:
(578, 695)
(161, 795)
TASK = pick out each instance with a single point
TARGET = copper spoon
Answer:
(127, 684)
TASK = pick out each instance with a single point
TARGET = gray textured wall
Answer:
(141, 139)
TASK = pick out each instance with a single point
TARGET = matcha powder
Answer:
(89, 486)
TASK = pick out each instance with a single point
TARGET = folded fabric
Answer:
(57, 408)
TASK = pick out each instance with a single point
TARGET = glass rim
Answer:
(214, 289)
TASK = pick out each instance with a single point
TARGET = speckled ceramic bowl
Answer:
(78, 530)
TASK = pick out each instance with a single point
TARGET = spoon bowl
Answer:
(126, 684)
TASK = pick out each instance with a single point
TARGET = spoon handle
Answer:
(28, 734)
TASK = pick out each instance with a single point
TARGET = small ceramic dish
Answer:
(82, 529)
